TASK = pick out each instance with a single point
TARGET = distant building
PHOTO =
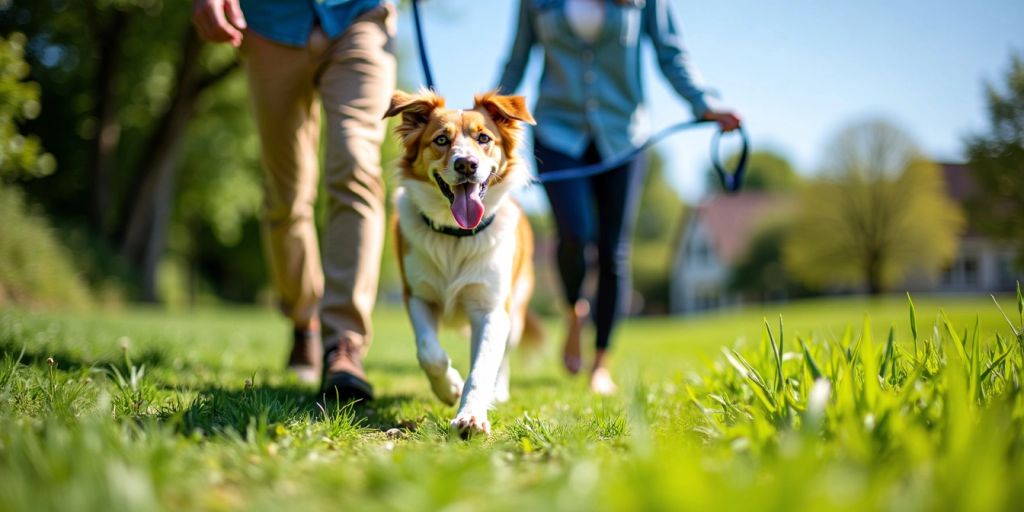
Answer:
(981, 264)
(719, 231)
(714, 239)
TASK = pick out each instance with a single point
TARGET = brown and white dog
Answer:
(464, 247)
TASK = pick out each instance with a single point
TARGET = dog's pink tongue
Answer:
(467, 208)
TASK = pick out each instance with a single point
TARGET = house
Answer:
(981, 263)
(716, 236)
(718, 233)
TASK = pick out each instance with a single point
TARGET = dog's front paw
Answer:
(448, 387)
(468, 424)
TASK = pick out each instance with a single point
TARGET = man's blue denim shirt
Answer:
(290, 21)
(593, 92)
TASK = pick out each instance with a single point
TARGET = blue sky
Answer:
(796, 70)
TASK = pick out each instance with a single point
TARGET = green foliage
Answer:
(659, 219)
(64, 47)
(906, 414)
(996, 159)
(878, 213)
(20, 156)
(660, 206)
(761, 272)
(215, 229)
(35, 268)
(118, 67)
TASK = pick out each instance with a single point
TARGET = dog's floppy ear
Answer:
(414, 108)
(504, 109)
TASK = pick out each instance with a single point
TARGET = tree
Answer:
(20, 156)
(122, 81)
(996, 160)
(878, 212)
(761, 273)
(657, 225)
(34, 266)
(767, 171)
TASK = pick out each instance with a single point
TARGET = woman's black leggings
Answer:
(599, 210)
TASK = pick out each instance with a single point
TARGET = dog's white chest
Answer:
(458, 273)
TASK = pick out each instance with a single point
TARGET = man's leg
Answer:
(356, 82)
(287, 114)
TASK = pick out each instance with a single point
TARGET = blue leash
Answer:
(428, 77)
(731, 180)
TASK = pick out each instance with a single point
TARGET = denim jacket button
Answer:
(591, 104)
(589, 77)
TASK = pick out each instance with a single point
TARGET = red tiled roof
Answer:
(960, 185)
(732, 220)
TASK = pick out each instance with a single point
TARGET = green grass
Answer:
(143, 409)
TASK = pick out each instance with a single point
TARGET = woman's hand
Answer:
(727, 121)
(218, 21)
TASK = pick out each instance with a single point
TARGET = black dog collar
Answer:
(459, 232)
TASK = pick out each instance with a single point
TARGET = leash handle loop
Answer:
(731, 180)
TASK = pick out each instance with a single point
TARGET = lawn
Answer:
(142, 409)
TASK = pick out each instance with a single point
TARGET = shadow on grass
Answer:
(218, 411)
(68, 361)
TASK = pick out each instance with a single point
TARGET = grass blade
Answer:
(957, 342)
(811, 364)
(760, 388)
(1008, 322)
(1020, 304)
(913, 321)
(995, 362)
(975, 375)
(889, 357)
(869, 360)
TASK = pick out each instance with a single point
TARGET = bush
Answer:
(35, 268)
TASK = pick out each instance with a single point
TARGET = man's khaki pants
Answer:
(353, 77)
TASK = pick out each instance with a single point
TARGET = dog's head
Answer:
(458, 164)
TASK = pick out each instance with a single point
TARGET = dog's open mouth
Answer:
(466, 200)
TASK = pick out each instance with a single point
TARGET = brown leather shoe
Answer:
(305, 359)
(344, 378)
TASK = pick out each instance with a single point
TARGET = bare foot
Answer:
(601, 382)
(571, 357)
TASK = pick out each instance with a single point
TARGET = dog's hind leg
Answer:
(445, 381)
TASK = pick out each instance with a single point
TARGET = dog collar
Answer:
(459, 232)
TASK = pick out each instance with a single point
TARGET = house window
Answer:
(1005, 271)
(700, 252)
(970, 271)
(948, 275)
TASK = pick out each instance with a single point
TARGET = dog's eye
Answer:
(441, 140)
(483, 138)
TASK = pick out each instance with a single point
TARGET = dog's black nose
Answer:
(466, 165)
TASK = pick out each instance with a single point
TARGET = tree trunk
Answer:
(147, 234)
(108, 124)
(144, 226)
(873, 274)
